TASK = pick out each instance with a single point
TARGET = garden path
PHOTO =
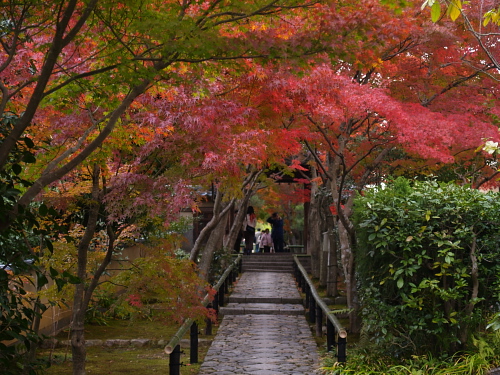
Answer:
(263, 330)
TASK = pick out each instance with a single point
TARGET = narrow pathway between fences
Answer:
(263, 330)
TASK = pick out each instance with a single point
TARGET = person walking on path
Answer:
(249, 227)
(266, 242)
(257, 240)
(277, 232)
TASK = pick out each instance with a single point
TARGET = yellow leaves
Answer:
(258, 26)
(379, 62)
(453, 11)
(492, 16)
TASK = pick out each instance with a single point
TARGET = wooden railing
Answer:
(222, 287)
(336, 335)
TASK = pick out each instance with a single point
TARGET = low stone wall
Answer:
(119, 343)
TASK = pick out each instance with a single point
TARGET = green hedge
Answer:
(418, 246)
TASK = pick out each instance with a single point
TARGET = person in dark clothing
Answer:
(249, 225)
(277, 232)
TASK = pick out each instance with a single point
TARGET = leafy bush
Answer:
(159, 285)
(427, 266)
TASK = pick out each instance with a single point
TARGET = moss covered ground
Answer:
(126, 360)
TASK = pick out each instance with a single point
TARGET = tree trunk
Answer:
(333, 267)
(211, 225)
(314, 236)
(31, 354)
(77, 332)
(347, 258)
(323, 265)
(214, 242)
(325, 230)
(215, 229)
(236, 227)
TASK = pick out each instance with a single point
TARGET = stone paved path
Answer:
(262, 343)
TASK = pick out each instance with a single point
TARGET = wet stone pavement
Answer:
(273, 339)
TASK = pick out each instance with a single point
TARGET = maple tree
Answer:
(391, 106)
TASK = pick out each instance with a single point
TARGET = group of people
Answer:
(268, 242)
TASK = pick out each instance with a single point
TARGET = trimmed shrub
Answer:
(427, 261)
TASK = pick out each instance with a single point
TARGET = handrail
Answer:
(226, 273)
(331, 318)
(321, 304)
(174, 341)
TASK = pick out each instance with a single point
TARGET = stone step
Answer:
(261, 309)
(268, 262)
(268, 266)
(268, 256)
(276, 300)
(267, 270)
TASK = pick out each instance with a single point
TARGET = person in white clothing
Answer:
(257, 240)
(266, 242)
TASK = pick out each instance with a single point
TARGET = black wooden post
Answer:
(175, 361)
(330, 335)
(193, 336)
(312, 309)
(221, 294)
(215, 302)
(319, 321)
(341, 351)
(208, 327)
(234, 275)
(308, 296)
